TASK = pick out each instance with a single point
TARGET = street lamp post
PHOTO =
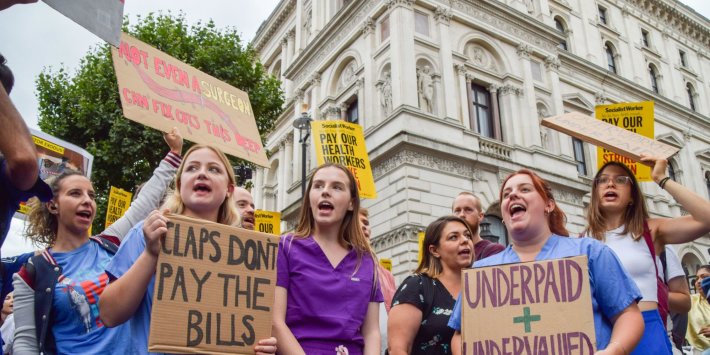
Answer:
(303, 123)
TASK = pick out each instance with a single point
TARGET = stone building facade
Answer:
(450, 94)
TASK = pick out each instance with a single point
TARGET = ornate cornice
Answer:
(273, 23)
(420, 159)
(673, 14)
(460, 69)
(315, 79)
(523, 51)
(509, 89)
(599, 98)
(552, 63)
(368, 26)
(407, 233)
(409, 4)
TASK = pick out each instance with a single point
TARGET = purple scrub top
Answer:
(326, 306)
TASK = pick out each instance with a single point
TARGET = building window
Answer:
(683, 58)
(602, 15)
(707, 182)
(351, 114)
(578, 148)
(644, 38)
(610, 58)
(671, 171)
(561, 27)
(691, 96)
(385, 28)
(482, 110)
(653, 75)
(536, 69)
(421, 23)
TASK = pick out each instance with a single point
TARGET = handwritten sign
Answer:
(344, 143)
(102, 17)
(162, 92)
(542, 307)
(613, 138)
(118, 202)
(267, 222)
(634, 117)
(214, 289)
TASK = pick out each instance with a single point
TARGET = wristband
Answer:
(663, 182)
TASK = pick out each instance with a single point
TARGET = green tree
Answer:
(85, 108)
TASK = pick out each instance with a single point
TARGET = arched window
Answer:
(653, 75)
(610, 57)
(691, 95)
(560, 26)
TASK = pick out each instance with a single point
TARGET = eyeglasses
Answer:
(618, 180)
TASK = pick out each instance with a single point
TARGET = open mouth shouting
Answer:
(325, 207)
(85, 215)
(610, 195)
(201, 188)
(465, 252)
(517, 210)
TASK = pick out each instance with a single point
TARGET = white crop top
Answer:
(637, 261)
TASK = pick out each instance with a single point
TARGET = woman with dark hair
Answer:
(536, 227)
(698, 334)
(423, 303)
(618, 216)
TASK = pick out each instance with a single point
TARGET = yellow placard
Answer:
(386, 263)
(420, 241)
(635, 117)
(118, 202)
(47, 144)
(344, 143)
(267, 222)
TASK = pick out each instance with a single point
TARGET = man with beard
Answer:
(245, 206)
(468, 207)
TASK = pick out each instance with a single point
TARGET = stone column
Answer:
(258, 189)
(367, 96)
(463, 96)
(290, 163)
(291, 36)
(362, 120)
(318, 17)
(286, 84)
(402, 53)
(528, 119)
(443, 16)
(639, 69)
(552, 64)
(282, 189)
(508, 113)
(298, 34)
(493, 89)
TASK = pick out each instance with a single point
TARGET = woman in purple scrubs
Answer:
(327, 292)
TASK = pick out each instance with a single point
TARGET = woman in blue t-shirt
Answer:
(536, 226)
(57, 292)
(204, 183)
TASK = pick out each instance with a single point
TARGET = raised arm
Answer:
(680, 229)
(16, 145)
(152, 192)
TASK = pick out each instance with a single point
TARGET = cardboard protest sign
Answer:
(214, 289)
(386, 263)
(634, 117)
(613, 138)
(344, 143)
(267, 222)
(162, 92)
(103, 18)
(54, 157)
(118, 202)
(542, 307)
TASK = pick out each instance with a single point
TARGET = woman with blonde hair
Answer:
(203, 187)
(423, 303)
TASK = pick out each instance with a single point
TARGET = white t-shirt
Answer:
(675, 268)
(637, 260)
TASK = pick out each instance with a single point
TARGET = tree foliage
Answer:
(84, 107)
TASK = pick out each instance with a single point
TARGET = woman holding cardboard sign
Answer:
(204, 185)
(537, 231)
(423, 303)
(57, 291)
(327, 290)
(618, 216)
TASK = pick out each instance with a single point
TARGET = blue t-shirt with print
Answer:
(77, 327)
(612, 288)
(131, 248)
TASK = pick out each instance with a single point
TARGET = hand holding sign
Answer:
(154, 229)
(658, 166)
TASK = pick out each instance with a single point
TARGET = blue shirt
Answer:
(131, 248)
(326, 305)
(612, 288)
(77, 327)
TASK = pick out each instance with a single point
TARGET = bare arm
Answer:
(681, 229)
(17, 146)
(371, 329)
(678, 295)
(123, 296)
(4, 4)
(627, 331)
(456, 343)
(288, 343)
(402, 327)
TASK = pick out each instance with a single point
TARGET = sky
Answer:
(35, 36)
